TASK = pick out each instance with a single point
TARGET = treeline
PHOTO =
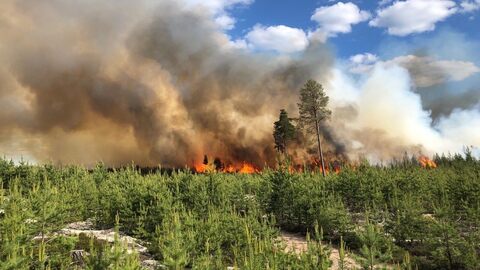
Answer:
(402, 215)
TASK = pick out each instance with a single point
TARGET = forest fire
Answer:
(313, 166)
(329, 166)
(247, 168)
(426, 162)
(201, 168)
(218, 166)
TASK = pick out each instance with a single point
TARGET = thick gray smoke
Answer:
(156, 84)
(160, 83)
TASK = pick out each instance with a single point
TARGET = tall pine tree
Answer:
(313, 110)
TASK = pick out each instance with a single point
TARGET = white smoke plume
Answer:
(389, 118)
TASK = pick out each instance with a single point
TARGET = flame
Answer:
(229, 169)
(295, 169)
(425, 162)
(204, 168)
(329, 166)
(200, 168)
(247, 168)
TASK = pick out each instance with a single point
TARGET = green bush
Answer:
(417, 217)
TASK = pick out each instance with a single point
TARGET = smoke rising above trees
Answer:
(122, 81)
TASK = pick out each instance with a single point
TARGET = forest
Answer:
(397, 216)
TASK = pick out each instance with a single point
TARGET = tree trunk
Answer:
(447, 247)
(319, 144)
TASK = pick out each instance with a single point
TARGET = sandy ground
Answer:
(132, 244)
(294, 243)
(298, 244)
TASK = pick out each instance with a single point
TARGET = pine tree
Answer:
(313, 110)
(284, 131)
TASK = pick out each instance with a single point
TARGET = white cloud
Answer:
(339, 18)
(362, 63)
(364, 58)
(331, 20)
(470, 5)
(279, 38)
(238, 44)
(425, 71)
(218, 9)
(413, 16)
(225, 22)
(217, 6)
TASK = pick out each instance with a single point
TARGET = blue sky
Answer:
(462, 18)
(437, 41)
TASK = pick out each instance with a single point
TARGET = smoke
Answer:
(160, 83)
(441, 102)
(386, 118)
(151, 83)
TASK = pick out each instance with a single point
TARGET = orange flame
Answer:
(247, 168)
(200, 168)
(334, 166)
(425, 162)
(229, 169)
(204, 168)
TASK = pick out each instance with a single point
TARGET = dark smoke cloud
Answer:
(442, 102)
(122, 81)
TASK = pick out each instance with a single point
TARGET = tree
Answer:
(376, 246)
(313, 110)
(205, 160)
(283, 132)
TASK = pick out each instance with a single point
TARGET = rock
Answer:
(78, 257)
(152, 264)
(132, 244)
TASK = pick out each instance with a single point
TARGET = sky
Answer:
(354, 27)
(351, 28)
(430, 38)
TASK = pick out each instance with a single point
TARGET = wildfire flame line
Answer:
(425, 162)
(245, 168)
(313, 166)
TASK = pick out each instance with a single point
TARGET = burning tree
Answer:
(284, 131)
(313, 110)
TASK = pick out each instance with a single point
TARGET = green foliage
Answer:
(313, 110)
(417, 218)
(376, 246)
(313, 104)
(283, 132)
(116, 257)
